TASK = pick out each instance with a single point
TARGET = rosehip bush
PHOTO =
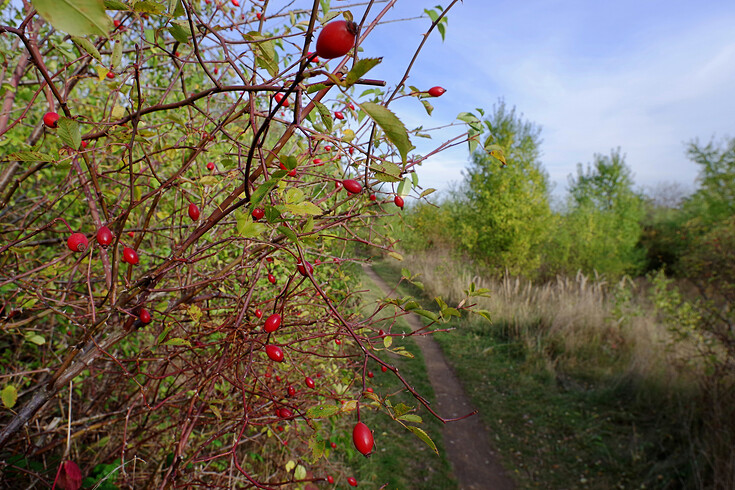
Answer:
(157, 90)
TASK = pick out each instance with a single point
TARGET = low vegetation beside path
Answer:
(582, 383)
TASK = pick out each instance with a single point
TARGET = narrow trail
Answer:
(467, 441)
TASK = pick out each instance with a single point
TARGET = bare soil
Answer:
(474, 461)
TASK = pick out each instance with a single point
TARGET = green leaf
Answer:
(163, 334)
(387, 341)
(116, 54)
(401, 409)
(209, 180)
(265, 188)
(360, 69)
(35, 339)
(325, 115)
(411, 417)
(179, 33)
(247, 228)
(396, 255)
(116, 5)
(322, 411)
(76, 17)
(483, 313)
(148, 7)
(176, 341)
(429, 108)
(68, 131)
(404, 187)
(86, 45)
(303, 209)
(427, 192)
(29, 156)
(426, 314)
(300, 473)
(288, 233)
(424, 437)
(9, 396)
(393, 128)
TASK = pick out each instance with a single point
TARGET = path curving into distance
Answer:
(467, 441)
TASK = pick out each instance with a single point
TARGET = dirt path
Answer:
(467, 442)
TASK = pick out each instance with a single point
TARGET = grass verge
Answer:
(584, 428)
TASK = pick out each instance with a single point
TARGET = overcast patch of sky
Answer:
(645, 76)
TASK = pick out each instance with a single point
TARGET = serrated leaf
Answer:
(265, 188)
(424, 437)
(387, 341)
(325, 115)
(87, 46)
(403, 352)
(426, 314)
(288, 233)
(427, 192)
(401, 409)
(116, 5)
(68, 131)
(247, 227)
(363, 66)
(300, 473)
(447, 312)
(349, 406)
(411, 417)
(29, 156)
(9, 396)
(321, 411)
(148, 7)
(209, 180)
(393, 128)
(179, 33)
(303, 209)
(395, 255)
(429, 108)
(389, 168)
(75, 17)
(116, 54)
(384, 177)
(176, 341)
(483, 313)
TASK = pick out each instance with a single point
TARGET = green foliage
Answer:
(714, 201)
(600, 229)
(501, 213)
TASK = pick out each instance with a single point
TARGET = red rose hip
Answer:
(274, 352)
(399, 201)
(272, 323)
(336, 39)
(130, 256)
(363, 438)
(104, 236)
(51, 120)
(77, 242)
(193, 212)
(436, 91)
(352, 186)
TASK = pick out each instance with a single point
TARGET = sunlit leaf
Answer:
(75, 17)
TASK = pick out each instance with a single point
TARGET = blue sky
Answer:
(645, 76)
